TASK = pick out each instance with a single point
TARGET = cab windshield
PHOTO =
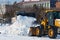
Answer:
(56, 15)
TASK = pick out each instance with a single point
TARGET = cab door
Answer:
(50, 18)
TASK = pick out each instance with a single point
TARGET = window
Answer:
(47, 4)
(41, 5)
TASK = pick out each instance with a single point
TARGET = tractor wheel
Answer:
(52, 33)
(30, 31)
(38, 32)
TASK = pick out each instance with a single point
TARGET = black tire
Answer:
(30, 31)
(52, 32)
(43, 31)
(40, 31)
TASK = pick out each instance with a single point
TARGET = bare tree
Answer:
(2, 13)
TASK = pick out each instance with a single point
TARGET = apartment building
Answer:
(44, 3)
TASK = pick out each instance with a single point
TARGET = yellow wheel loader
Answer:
(49, 24)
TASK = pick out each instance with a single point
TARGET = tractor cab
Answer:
(54, 18)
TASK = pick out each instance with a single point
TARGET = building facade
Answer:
(44, 3)
(50, 4)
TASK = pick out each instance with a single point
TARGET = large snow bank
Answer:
(19, 27)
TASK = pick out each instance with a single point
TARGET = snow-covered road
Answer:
(15, 37)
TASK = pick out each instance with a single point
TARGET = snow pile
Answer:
(20, 27)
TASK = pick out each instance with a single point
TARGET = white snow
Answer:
(15, 37)
(19, 27)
